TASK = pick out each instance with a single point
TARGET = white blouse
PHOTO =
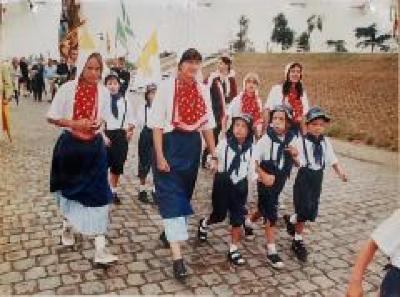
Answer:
(62, 106)
(275, 98)
(328, 154)
(247, 163)
(264, 149)
(162, 107)
(116, 123)
(141, 120)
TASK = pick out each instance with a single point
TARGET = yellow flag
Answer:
(86, 42)
(148, 56)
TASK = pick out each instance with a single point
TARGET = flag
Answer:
(123, 28)
(148, 63)
(86, 42)
(108, 41)
(5, 118)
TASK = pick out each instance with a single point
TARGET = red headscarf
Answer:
(85, 106)
(189, 108)
(294, 101)
(250, 106)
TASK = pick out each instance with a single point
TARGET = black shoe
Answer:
(289, 226)
(299, 250)
(143, 197)
(164, 240)
(248, 232)
(202, 231)
(180, 272)
(236, 258)
(275, 261)
(116, 199)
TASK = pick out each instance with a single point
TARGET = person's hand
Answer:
(162, 164)
(343, 176)
(107, 141)
(354, 289)
(214, 165)
(83, 125)
(292, 151)
(267, 179)
(129, 135)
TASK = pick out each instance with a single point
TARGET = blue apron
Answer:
(79, 170)
(174, 189)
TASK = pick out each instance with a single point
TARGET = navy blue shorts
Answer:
(228, 198)
(391, 283)
(306, 194)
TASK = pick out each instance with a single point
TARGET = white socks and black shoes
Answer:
(67, 236)
(248, 227)
(234, 256)
(273, 258)
(102, 255)
(202, 230)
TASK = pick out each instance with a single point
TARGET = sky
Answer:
(184, 23)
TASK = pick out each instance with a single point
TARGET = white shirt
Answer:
(247, 163)
(116, 123)
(264, 149)
(275, 98)
(141, 116)
(387, 237)
(62, 106)
(162, 108)
(328, 154)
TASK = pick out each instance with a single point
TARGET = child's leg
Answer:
(270, 237)
(114, 179)
(102, 255)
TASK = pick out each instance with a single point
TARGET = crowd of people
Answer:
(184, 123)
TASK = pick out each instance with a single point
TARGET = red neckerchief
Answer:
(85, 107)
(189, 108)
(294, 101)
(251, 106)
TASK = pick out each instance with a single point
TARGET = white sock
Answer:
(293, 218)
(298, 236)
(100, 242)
(232, 247)
(271, 247)
(142, 188)
(114, 190)
(66, 224)
(153, 189)
(204, 223)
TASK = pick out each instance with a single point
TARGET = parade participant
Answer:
(123, 74)
(79, 167)
(181, 110)
(277, 153)
(119, 129)
(145, 145)
(316, 154)
(6, 91)
(222, 85)
(248, 101)
(230, 187)
(291, 92)
(37, 82)
(385, 238)
(15, 75)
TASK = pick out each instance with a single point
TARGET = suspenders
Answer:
(123, 117)
(306, 154)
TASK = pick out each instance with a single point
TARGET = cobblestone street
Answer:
(32, 259)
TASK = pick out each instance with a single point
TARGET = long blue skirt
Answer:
(174, 189)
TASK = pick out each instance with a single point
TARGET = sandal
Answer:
(236, 258)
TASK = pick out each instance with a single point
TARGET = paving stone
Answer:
(35, 273)
(93, 288)
(49, 283)
(150, 289)
(11, 277)
(26, 288)
(135, 279)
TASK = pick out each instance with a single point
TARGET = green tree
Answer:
(241, 43)
(338, 45)
(281, 33)
(303, 42)
(371, 38)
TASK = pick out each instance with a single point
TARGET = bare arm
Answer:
(209, 138)
(340, 172)
(364, 258)
(162, 163)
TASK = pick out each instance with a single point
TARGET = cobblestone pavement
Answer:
(33, 261)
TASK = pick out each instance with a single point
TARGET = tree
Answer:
(339, 45)
(281, 33)
(240, 45)
(371, 38)
(303, 42)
